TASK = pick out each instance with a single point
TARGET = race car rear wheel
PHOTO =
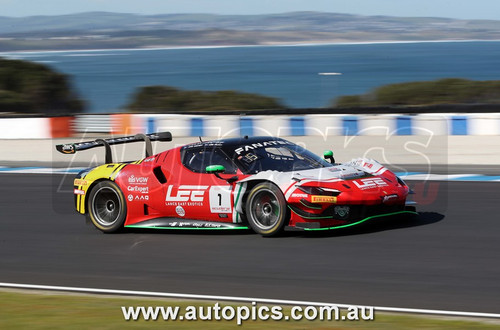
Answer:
(266, 209)
(106, 207)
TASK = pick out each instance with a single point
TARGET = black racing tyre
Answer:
(106, 207)
(266, 209)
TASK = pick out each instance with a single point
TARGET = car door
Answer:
(196, 194)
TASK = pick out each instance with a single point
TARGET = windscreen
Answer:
(280, 157)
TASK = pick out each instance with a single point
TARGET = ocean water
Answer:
(107, 79)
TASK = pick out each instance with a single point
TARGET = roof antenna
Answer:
(199, 137)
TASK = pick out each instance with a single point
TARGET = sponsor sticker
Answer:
(80, 182)
(389, 197)
(264, 144)
(180, 211)
(192, 195)
(78, 192)
(137, 179)
(342, 211)
(68, 149)
(220, 199)
(297, 195)
(370, 183)
(323, 199)
(248, 158)
(138, 189)
(189, 224)
(138, 198)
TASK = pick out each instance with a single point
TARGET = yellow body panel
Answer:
(106, 171)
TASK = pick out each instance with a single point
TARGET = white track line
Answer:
(241, 299)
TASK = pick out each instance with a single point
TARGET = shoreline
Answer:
(271, 44)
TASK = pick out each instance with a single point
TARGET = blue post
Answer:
(404, 125)
(297, 127)
(350, 125)
(246, 126)
(197, 127)
(151, 125)
(459, 125)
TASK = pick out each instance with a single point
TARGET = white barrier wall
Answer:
(216, 126)
(221, 126)
(323, 125)
(377, 125)
(484, 123)
(25, 128)
(434, 123)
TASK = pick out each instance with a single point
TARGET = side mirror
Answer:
(215, 169)
(328, 155)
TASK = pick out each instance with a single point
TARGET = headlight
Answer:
(401, 182)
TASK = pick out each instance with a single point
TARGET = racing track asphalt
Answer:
(446, 259)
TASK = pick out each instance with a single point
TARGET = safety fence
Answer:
(234, 125)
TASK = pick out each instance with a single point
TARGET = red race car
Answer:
(268, 184)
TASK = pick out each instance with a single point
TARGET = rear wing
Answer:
(72, 148)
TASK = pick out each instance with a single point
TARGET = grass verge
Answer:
(35, 310)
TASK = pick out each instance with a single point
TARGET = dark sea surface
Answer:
(107, 79)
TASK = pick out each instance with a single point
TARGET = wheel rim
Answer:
(106, 206)
(265, 209)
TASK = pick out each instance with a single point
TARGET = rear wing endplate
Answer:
(72, 148)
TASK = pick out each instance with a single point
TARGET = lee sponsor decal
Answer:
(78, 192)
(80, 182)
(370, 183)
(138, 189)
(323, 199)
(137, 179)
(192, 194)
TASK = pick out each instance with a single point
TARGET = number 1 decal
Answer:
(220, 199)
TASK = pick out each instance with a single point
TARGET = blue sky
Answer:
(468, 9)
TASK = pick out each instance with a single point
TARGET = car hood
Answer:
(335, 173)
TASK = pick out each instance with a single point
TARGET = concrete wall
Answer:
(389, 138)
(277, 125)
(304, 125)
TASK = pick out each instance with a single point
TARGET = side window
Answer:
(197, 160)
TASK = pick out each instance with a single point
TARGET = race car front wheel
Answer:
(266, 209)
(106, 207)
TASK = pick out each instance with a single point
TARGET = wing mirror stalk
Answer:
(328, 155)
(217, 169)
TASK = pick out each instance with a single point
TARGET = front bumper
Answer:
(363, 216)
